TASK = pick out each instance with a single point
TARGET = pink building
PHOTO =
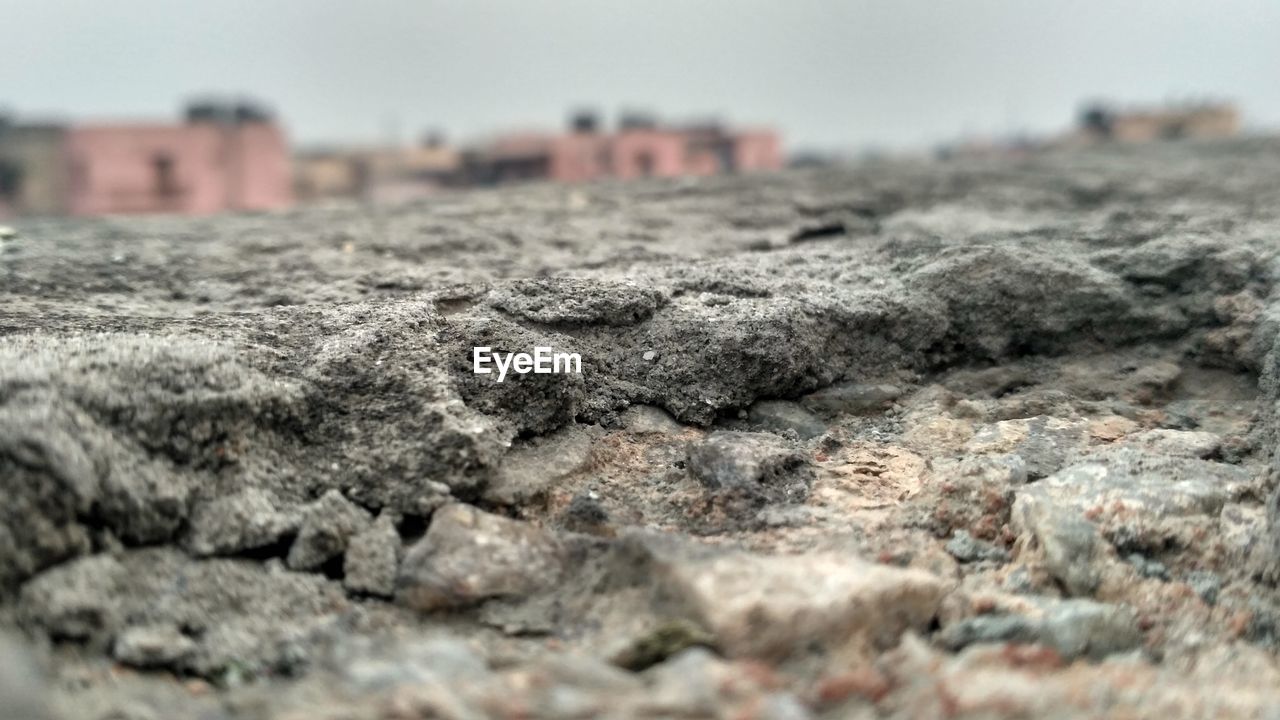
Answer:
(632, 152)
(211, 163)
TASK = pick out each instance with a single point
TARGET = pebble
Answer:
(153, 646)
(468, 556)
(327, 526)
(1073, 628)
(372, 559)
(966, 548)
(852, 398)
(783, 415)
(247, 520)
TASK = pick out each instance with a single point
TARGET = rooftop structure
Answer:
(222, 157)
(640, 147)
(1196, 120)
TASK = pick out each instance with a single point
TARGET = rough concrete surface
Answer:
(997, 443)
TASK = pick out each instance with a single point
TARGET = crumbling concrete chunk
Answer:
(1073, 628)
(757, 464)
(771, 606)
(1068, 541)
(373, 558)
(532, 468)
(468, 556)
(74, 601)
(153, 646)
(782, 416)
(250, 519)
(327, 525)
(852, 398)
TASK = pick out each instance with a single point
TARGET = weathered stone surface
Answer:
(50, 479)
(760, 465)
(1182, 443)
(965, 548)
(23, 690)
(1147, 567)
(783, 415)
(773, 606)
(1070, 544)
(578, 301)
(972, 495)
(73, 601)
(1045, 444)
(1073, 628)
(64, 470)
(646, 419)
(1159, 486)
(1001, 297)
(153, 646)
(366, 665)
(530, 469)
(247, 520)
(245, 619)
(1033, 317)
(327, 526)
(852, 398)
(1206, 584)
(468, 556)
(372, 559)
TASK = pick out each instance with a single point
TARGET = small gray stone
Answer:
(327, 526)
(585, 514)
(153, 646)
(783, 415)
(966, 548)
(759, 465)
(468, 556)
(1158, 485)
(1067, 540)
(1082, 628)
(1018, 581)
(646, 419)
(1073, 628)
(852, 398)
(1147, 567)
(1206, 584)
(1044, 443)
(532, 468)
(373, 558)
(770, 606)
(73, 600)
(231, 524)
(989, 629)
(1183, 443)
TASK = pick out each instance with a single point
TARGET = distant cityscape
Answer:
(234, 156)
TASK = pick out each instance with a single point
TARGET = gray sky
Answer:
(830, 74)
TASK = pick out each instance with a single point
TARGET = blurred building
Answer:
(1199, 120)
(376, 174)
(222, 157)
(640, 147)
(33, 177)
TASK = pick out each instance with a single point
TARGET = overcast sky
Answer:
(829, 73)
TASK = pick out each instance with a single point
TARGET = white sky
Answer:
(831, 74)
